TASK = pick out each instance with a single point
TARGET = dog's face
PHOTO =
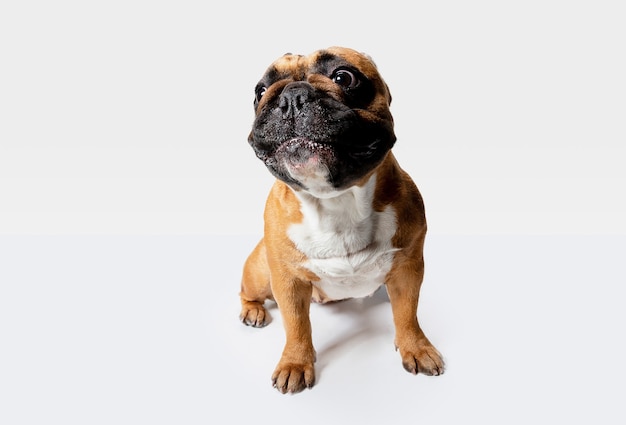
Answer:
(322, 121)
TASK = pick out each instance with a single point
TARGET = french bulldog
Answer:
(342, 218)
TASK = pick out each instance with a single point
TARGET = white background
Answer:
(132, 117)
(129, 199)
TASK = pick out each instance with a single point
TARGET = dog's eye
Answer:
(345, 78)
(259, 92)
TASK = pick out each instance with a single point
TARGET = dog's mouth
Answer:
(305, 162)
(300, 152)
(301, 145)
(301, 149)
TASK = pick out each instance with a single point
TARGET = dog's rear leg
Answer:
(255, 288)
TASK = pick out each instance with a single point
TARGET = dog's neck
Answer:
(344, 209)
(339, 225)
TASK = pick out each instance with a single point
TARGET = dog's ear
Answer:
(369, 58)
(388, 94)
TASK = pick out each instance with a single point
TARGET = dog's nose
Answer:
(294, 97)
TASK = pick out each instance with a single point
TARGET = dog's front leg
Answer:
(403, 286)
(295, 370)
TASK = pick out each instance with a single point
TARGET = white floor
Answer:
(144, 330)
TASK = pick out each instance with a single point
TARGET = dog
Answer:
(342, 218)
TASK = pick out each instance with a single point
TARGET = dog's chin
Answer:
(308, 164)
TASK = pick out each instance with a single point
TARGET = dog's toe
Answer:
(253, 314)
(293, 378)
(425, 360)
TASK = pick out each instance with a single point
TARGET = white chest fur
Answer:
(347, 243)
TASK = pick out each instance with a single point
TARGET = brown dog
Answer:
(342, 218)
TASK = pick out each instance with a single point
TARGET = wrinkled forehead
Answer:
(322, 62)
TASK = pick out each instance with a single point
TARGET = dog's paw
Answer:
(293, 378)
(422, 358)
(253, 314)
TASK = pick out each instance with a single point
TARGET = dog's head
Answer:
(322, 121)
